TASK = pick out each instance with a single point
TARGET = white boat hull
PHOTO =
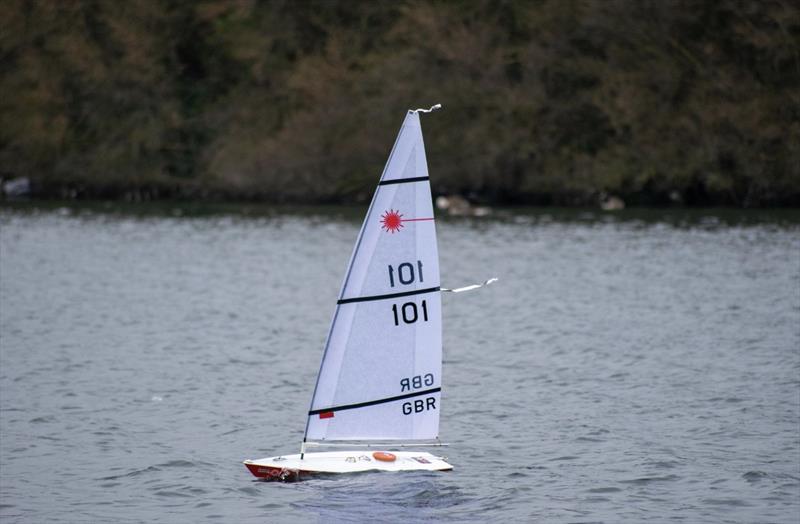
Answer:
(292, 467)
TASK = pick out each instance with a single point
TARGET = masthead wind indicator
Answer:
(429, 110)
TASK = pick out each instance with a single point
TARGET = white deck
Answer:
(352, 462)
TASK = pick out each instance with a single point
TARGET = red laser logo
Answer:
(392, 220)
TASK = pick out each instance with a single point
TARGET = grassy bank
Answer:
(550, 103)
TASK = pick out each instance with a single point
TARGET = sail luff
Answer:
(347, 278)
(369, 211)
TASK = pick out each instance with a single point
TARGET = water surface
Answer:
(634, 366)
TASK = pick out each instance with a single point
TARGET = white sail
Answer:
(380, 377)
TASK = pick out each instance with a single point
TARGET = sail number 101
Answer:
(409, 312)
(406, 273)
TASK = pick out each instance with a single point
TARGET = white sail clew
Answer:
(380, 377)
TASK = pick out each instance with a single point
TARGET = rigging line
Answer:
(374, 402)
(377, 444)
(390, 295)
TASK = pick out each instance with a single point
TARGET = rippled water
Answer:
(626, 367)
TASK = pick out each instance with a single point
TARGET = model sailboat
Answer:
(379, 383)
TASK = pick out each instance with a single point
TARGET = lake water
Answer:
(626, 367)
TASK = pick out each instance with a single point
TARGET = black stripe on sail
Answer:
(403, 180)
(374, 402)
(390, 295)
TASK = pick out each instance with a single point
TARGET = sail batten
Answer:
(380, 376)
(389, 296)
(374, 402)
(404, 180)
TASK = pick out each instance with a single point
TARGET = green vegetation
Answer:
(545, 102)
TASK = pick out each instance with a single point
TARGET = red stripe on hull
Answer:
(273, 473)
